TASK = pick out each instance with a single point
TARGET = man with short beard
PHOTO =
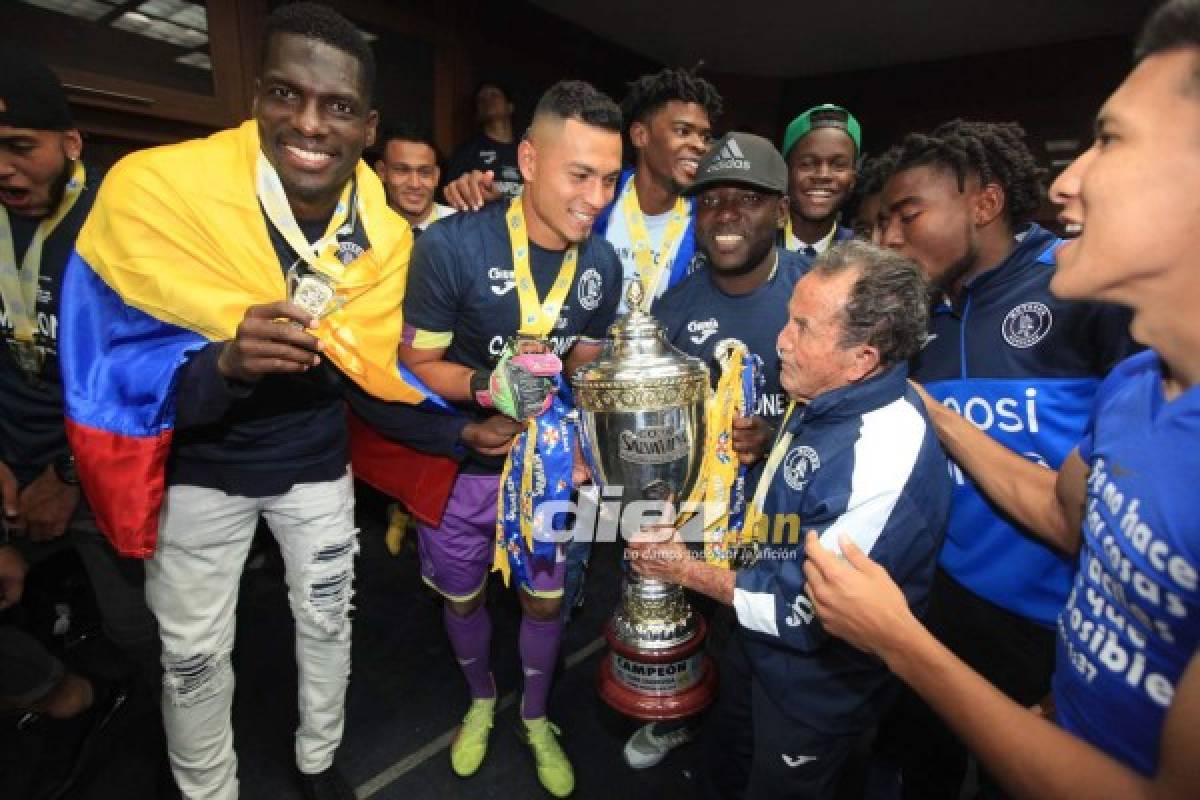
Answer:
(821, 147)
(493, 300)
(46, 192)
(668, 118)
(740, 296)
(1019, 363)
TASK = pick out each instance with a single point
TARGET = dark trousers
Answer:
(119, 587)
(750, 749)
(1013, 653)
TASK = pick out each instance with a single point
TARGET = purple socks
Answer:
(539, 641)
(471, 641)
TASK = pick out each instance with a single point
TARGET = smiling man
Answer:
(821, 147)
(741, 296)
(668, 122)
(408, 167)
(1127, 674)
(493, 301)
(234, 410)
(1023, 366)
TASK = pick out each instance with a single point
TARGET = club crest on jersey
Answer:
(703, 329)
(1027, 324)
(799, 465)
(590, 289)
(348, 252)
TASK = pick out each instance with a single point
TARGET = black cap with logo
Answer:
(743, 159)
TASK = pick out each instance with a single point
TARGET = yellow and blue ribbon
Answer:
(538, 470)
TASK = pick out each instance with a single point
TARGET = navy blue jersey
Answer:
(863, 462)
(1132, 621)
(32, 431)
(460, 282)
(696, 315)
(484, 153)
(286, 429)
(1023, 366)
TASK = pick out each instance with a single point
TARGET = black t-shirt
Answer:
(461, 282)
(484, 153)
(32, 433)
(260, 440)
(696, 314)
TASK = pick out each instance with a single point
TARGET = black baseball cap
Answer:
(744, 159)
(31, 96)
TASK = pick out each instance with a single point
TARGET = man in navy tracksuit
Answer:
(1021, 365)
(855, 460)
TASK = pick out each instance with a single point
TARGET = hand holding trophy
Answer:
(642, 420)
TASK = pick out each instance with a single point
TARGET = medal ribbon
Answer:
(18, 287)
(751, 376)
(322, 254)
(650, 273)
(722, 477)
(537, 316)
(754, 529)
(538, 469)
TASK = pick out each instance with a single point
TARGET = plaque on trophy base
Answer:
(669, 682)
(642, 420)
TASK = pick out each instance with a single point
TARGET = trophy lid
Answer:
(638, 357)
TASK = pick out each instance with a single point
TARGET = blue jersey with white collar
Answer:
(1132, 621)
(863, 461)
(1023, 366)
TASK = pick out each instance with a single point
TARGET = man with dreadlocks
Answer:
(1021, 365)
(864, 209)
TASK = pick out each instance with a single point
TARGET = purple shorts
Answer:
(456, 556)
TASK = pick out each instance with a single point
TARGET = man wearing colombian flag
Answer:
(199, 399)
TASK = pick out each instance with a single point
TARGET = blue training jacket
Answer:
(1023, 366)
(864, 461)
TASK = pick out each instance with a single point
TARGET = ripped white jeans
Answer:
(192, 587)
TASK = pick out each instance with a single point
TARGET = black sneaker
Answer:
(327, 785)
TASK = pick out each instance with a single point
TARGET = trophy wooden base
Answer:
(656, 685)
